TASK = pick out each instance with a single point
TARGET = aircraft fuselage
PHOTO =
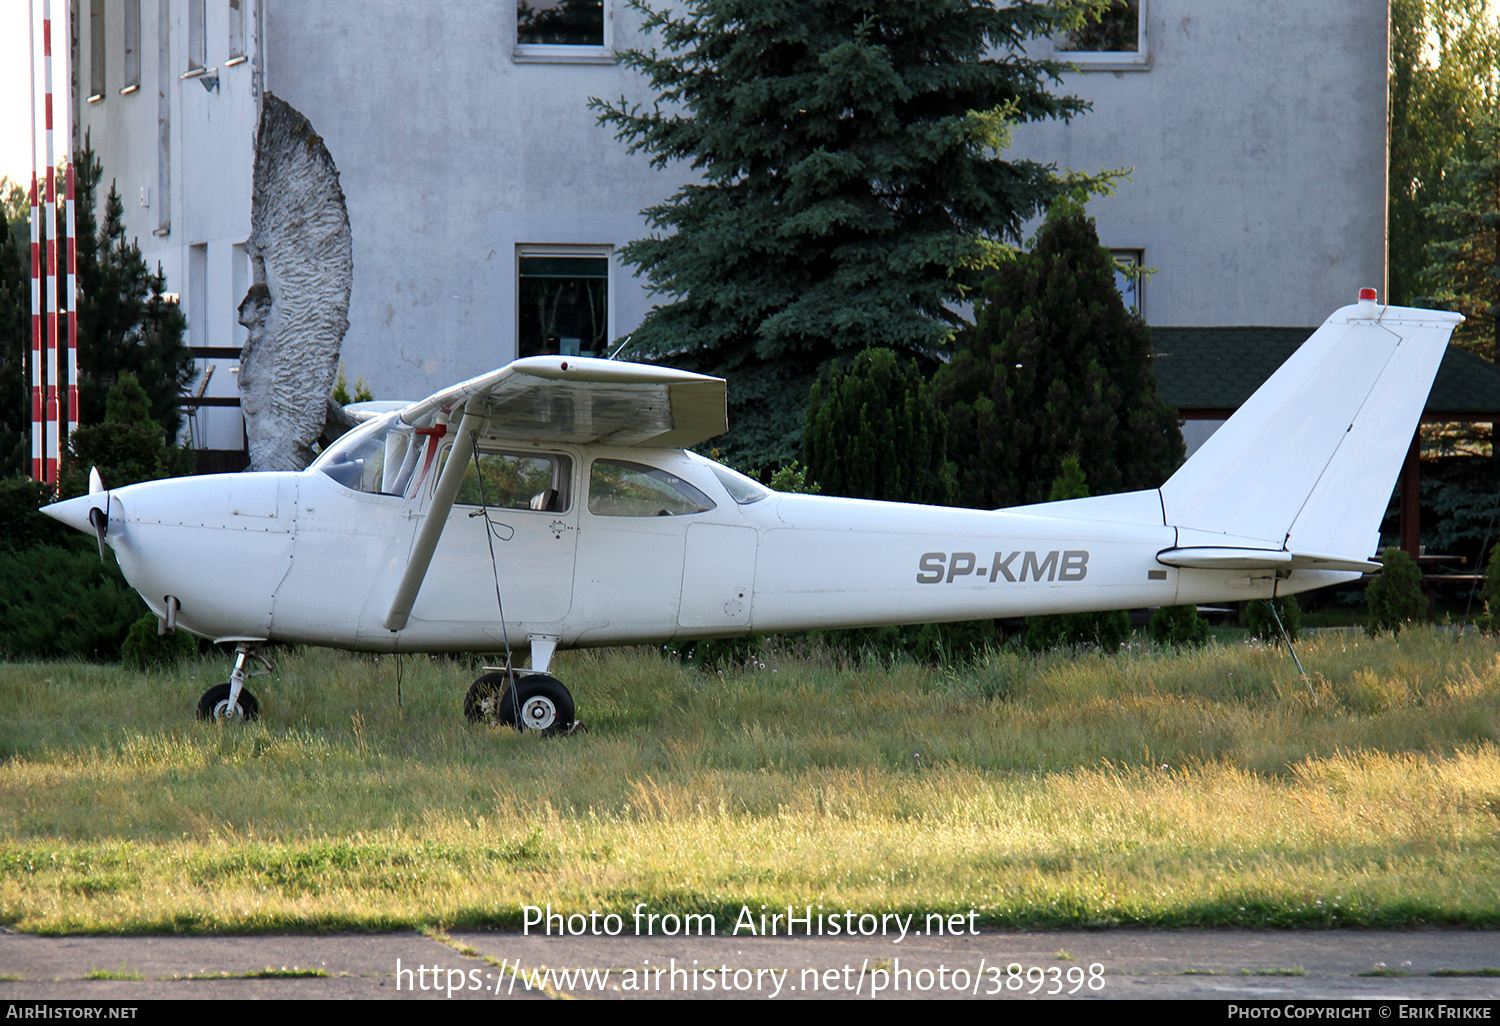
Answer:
(299, 557)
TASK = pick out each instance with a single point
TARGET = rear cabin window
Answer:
(621, 489)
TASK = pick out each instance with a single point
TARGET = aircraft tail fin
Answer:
(1308, 463)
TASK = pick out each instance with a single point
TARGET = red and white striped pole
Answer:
(67, 368)
(37, 419)
(53, 413)
(38, 422)
(72, 232)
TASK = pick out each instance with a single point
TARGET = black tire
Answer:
(539, 702)
(212, 707)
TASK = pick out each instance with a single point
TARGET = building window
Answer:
(560, 23)
(132, 46)
(197, 38)
(1128, 266)
(1116, 41)
(562, 30)
(96, 50)
(563, 303)
(237, 28)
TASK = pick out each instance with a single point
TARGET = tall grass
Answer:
(1149, 787)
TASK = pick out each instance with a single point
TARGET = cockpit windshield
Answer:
(382, 457)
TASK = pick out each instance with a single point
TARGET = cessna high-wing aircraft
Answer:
(553, 502)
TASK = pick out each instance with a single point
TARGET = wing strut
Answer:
(437, 518)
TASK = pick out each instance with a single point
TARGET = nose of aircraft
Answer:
(75, 512)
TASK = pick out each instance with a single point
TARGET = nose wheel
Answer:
(535, 701)
(215, 707)
(230, 702)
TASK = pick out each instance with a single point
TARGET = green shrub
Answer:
(128, 447)
(1054, 364)
(1178, 625)
(341, 395)
(792, 477)
(1395, 595)
(60, 601)
(1107, 630)
(874, 431)
(1490, 592)
(21, 526)
(145, 649)
(932, 644)
(715, 655)
(1262, 622)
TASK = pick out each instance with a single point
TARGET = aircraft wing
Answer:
(572, 399)
(584, 400)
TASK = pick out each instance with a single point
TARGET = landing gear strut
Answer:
(231, 703)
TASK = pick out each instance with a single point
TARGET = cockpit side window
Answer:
(618, 488)
(512, 480)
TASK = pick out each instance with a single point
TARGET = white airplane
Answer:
(553, 502)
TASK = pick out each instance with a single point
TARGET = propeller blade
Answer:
(99, 520)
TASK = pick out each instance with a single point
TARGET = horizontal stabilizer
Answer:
(1207, 558)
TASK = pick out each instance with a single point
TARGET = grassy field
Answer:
(1215, 787)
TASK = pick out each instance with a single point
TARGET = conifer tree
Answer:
(1108, 629)
(126, 323)
(874, 432)
(1055, 365)
(852, 187)
(128, 446)
(1395, 596)
(15, 333)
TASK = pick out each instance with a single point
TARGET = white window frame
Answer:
(236, 31)
(535, 53)
(130, 49)
(1110, 60)
(528, 249)
(97, 51)
(1131, 289)
(197, 38)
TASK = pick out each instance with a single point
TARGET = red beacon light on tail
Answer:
(1368, 295)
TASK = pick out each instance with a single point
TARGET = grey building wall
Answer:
(453, 153)
(1256, 132)
(181, 157)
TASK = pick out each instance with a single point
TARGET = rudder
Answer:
(1308, 463)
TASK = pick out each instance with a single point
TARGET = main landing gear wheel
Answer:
(539, 702)
(214, 706)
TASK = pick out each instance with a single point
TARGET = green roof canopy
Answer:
(1208, 372)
